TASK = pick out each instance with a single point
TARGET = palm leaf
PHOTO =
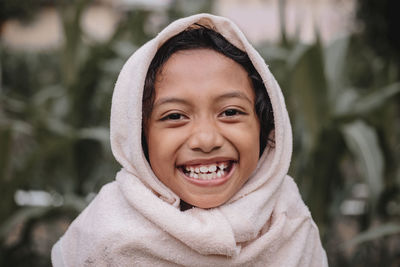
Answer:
(362, 141)
(373, 234)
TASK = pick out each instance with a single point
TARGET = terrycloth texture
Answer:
(136, 220)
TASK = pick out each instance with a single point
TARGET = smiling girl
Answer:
(200, 127)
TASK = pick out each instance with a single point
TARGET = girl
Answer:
(200, 127)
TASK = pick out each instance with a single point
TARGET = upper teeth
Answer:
(203, 169)
(206, 168)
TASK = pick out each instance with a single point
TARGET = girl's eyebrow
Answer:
(167, 100)
(235, 94)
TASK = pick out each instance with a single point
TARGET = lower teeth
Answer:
(206, 176)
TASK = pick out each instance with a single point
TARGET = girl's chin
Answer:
(206, 204)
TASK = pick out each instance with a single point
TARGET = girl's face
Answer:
(203, 132)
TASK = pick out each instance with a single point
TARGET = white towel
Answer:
(136, 220)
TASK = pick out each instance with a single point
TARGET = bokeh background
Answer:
(337, 62)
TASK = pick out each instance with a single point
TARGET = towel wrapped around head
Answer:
(137, 221)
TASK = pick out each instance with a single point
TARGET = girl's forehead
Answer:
(205, 65)
(184, 60)
(201, 71)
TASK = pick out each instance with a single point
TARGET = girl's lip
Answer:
(206, 161)
(212, 182)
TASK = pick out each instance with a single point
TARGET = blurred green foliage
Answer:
(343, 100)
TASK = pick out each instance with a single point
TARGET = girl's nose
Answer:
(205, 137)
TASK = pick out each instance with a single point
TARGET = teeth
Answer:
(207, 172)
(212, 168)
(203, 169)
(207, 176)
(206, 169)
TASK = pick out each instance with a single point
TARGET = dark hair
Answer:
(202, 37)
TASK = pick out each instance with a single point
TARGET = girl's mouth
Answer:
(208, 174)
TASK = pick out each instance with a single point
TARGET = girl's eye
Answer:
(231, 112)
(173, 117)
